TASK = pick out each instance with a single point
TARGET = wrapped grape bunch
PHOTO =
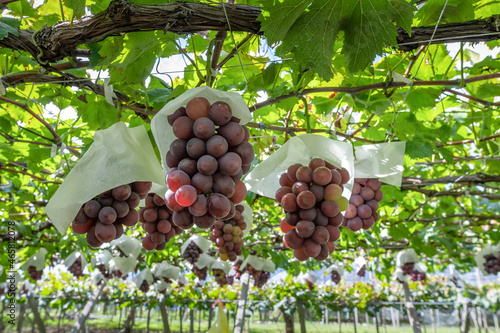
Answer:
(311, 196)
(363, 204)
(206, 161)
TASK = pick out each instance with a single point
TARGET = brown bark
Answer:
(62, 39)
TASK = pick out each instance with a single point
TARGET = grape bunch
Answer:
(237, 267)
(418, 276)
(260, 277)
(220, 277)
(363, 204)
(492, 264)
(34, 273)
(103, 217)
(144, 286)
(228, 235)
(206, 161)
(200, 273)
(312, 199)
(156, 220)
(408, 268)
(336, 277)
(192, 253)
(309, 284)
(76, 268)
(361, 271)
(104, 271)
(119, 274)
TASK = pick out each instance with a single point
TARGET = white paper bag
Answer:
(383, 161)
(101, 258)
(264, 178)
(224, 266)
(488, 249)
(37, 260)
(162, 131)
(70, 260)
(123, 264)
(337, 268)
(146, 275)
(310, 277)
(204, 261)
(165, 270)
(406, 256)
(358, 264)
(119, 155)
(129, 246)
(202, 243)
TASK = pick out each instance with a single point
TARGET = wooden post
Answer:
(34, 308)
(164, 318)
(495, 321)
(339, 321)
(326, 314)
(412, 312)
(88, 307)
(433, 320)
(149, 318)
(180, 317)
(376, 320)
(210, 313)
(22, 308)
(120, 319)
(239, 322)
(288, 323)
(485, 319)
(128, 326)
(465, 325)
(191, 320)
(301, 312)
(355, 320)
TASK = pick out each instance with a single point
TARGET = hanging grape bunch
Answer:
(119, 274)
(220, 277)
(103, 217)
(206, 161)
(144, 286)
(260, 277)
(310, 285)
(156, 220)
(200, 273)
(363, 204)
(228, 235)
(418, 276)
(104, 271)
(361, 272)
(34, 273)
(192, 253)
(408, 268)
(237, 267)
(76, 268)
(492, 264)
(335, 276)
(312, 199)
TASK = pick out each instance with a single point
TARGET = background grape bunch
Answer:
(220, 277)
(492, 264)
(260, 277)
(76, 268)
(144, 286)
(312, 199)
(237, 267)
(200, 273)
(206, 161)
(104, 271)
(309, 284)
(363, 204)
(408, 268)
(335, 276)
(192, 253)
(34, 273)
(228, 235)
(418, 276)
(156, 220)
(102, 219)
(362, 272)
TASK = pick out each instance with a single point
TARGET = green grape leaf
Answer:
(8, 26)
(403, 12)
(78, 7)
(455, 11)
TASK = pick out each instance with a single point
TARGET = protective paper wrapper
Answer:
(129, 246)
(162, 285)
(358, 263)
(202, 243)
(406, 256)
(204, 261)
(218, 264)
(254, 261)
(124, 264)
(143, 275)
(488, 249)
(70, 260)
(310, 277)
(269, 266)
(37, 260)
(383, 161)
(101, 258)
(119, 155)
(248, 217)
(420, 268)
(182, 279)
(399, 275)
(97, 277)
(264, 178)
(164, 269)
(336, 268)
(162, 131)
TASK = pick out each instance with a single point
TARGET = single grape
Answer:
(121, 207)
(232, 132)
(306, 200)
(322, 176)
(223, 184)
(230, 163)
(176, 179)
(355, 224)
(304, 174)
(105, 232)
(216, 146)
(333, 192)
(189, 166)
(164, 226)
(92, 208)
(183, 128)
(299, 254)
(207, 165)
(292, 172)
(170, 201)
(299, 187)
(202, 183)
(364, 211)
(178, 113)
(289, 202)
(367, 193)
(333, 232)
(204, 222)
(293, 240)
(107, 215)
(196, 148)
(321, 235)
(197, 107)
(148, 244)
(305, 229)
(183, 219)
(240, 192)
(178, 148)
(218, 205)
(316, 163)
(356, 200)
(203, 128)
(121, 192)
(330, 208)
(92, 239)
(245, 151)
(220, 113)
(323, 254)
(199, 207)
(311, 248)
(308, 214)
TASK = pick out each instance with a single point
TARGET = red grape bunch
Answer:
(156, 220)
(309, 284)
(206, 161)
(260, 277)
(34, 273)
(119, 274)
(312, 199)
(103, 217)
(144, 286)
(408, 268)
(363, 204)
(228, 235)
(361, 272)
(237, 268)
(220, 277)
(336, 277)
(76, 268)
(418, 276)
(201, 273)
(492, 264)
(104, 271)
(192, 253)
